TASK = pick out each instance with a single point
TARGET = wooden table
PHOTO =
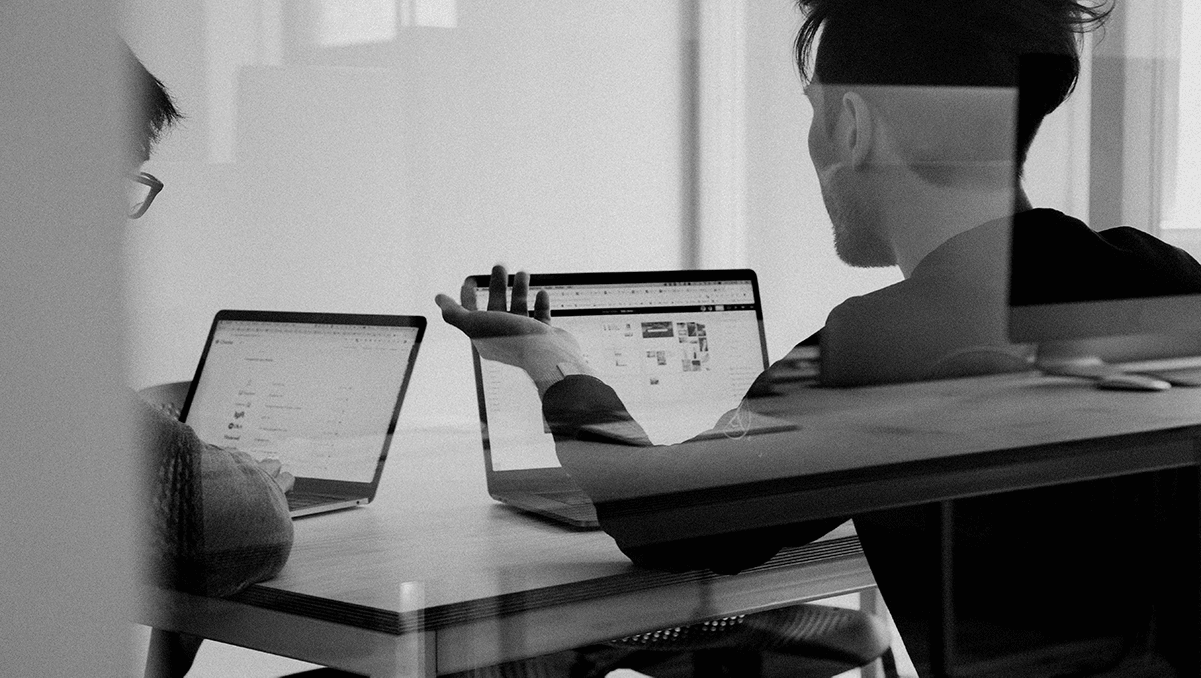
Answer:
(436, 577)
(478, 582)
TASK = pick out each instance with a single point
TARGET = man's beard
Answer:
(859, 237)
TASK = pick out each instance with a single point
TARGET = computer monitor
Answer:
(1134, 177)
(1110, 330)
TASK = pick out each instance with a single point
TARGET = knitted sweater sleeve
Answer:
(216, 522)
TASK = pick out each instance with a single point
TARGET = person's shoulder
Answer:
(1049, 227)
(1059, 258)
(1132, 239)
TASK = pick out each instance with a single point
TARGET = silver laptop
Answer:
(681, 348)
(320, 392)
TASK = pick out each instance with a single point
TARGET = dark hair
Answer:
(1030, 44)
(151, 109)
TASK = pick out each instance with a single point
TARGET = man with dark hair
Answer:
(216, 520)
(919, 108)
(151, 109)
(970, 43)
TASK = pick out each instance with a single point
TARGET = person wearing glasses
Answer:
(142, 187)
(216, 520)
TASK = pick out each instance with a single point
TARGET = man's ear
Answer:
(860, 129)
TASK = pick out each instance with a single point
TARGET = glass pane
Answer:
(363, 156)
(1185, 203)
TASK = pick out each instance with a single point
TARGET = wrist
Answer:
(561, 370)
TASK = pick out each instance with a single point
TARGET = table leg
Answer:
(942, 627)
(1177, 632)
(1190, 638)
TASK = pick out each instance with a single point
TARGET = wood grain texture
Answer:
(495, 584)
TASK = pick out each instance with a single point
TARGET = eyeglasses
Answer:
(141, 188)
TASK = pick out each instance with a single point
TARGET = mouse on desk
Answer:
(1122, 381)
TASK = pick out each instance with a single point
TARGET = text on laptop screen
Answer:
(679, 354)
(318, 397)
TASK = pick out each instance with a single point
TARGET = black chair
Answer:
(841, 634)
(801, 641)
(804, 641)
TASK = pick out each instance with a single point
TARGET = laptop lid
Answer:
(321, 392)
(681, 348)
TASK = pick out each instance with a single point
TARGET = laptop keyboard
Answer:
(569, 498)
(307, 500)
(580, 512)
(571, 505)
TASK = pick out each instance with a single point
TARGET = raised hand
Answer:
(512, 336)
(496, 321)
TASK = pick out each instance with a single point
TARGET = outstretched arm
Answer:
(597, 440)
(546, 353)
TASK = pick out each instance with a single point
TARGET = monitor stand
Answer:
(1134, 363)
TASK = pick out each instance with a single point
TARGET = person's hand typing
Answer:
(275, 469)
(511, 336)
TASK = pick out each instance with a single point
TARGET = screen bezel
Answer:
(501, 481)
(328, 486)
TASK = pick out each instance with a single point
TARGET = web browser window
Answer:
(679, 354)
(318, 397)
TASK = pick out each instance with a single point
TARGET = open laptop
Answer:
(681, 348)
(320, 392)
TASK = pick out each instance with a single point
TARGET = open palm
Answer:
(512, 336)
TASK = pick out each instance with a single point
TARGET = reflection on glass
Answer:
(356, 164)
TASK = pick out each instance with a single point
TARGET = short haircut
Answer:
(955, 43)
(151, 109)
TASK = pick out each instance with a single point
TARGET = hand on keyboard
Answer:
(276, 470)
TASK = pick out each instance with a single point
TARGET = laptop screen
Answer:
(679, 353)
(320, 397)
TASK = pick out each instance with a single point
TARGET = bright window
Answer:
(1183, 207)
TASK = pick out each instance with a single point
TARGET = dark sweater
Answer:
(947, 319)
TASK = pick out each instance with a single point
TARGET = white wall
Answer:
(790, 237)
(66, 481)
(1185, 205)
(369, 176)
(354, 160)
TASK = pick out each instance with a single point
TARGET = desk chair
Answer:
(802, 641)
